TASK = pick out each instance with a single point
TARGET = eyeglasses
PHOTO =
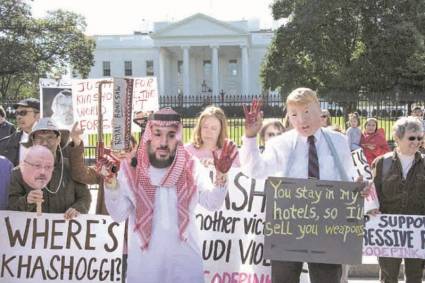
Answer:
(412, 138)
(41, 140)
(39, 166)
(23, 112)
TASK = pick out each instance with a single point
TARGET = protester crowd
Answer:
(161, 226)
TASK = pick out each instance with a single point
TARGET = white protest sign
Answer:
(85, 99)
(232, 237)
(145, 97)
(49, 248)
(145, 94)
(364, 170)
(393, 235)
(360, 162)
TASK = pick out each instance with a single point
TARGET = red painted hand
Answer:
(252, 113)
(107, 166)
(223, 162)
(253, 118)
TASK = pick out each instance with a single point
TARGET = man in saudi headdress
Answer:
(159, 196)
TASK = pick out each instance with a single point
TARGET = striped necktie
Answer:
(313, 160)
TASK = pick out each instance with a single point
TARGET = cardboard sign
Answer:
(49, 248)
(121, 120)
(313, 221)
(393, 235)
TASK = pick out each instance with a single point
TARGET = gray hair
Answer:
(404, 124)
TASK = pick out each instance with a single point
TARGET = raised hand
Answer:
(223, 162)
(76, 133)
(253, 118)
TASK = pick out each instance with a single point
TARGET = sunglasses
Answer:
(140, 121)
(419, 138)
(24, 112)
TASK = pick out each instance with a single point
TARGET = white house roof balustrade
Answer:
(124, 41)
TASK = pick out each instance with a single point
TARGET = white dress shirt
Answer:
(275, 159)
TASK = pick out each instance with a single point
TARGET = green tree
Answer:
(340, 47)
(31, 48)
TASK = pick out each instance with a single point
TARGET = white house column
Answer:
(215, 84)
(245, 70)
(186, 72)
(161, 73)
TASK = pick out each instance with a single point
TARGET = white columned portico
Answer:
(186, 70)
(161, 67)
(215, 68)
(245, 70)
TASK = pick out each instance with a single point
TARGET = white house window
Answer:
(149, 68)
(233, 67)
(128, 68)
(207, 69)
(106, 66)
(179, 67)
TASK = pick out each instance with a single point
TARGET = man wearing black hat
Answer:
(27, 114)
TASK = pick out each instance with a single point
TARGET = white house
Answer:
(197, 55)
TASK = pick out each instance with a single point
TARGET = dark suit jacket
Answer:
(9, 147)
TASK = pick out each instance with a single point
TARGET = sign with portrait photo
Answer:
(56, 102)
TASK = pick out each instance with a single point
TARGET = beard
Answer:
(160, 163)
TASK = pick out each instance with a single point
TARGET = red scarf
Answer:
(179, 176)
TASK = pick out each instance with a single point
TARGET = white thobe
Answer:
(167, 259)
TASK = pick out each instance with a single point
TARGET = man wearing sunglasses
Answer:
(27, 114)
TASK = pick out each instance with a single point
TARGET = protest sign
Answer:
(393, 235)
(313, 221)
(121, 120)
(145, 97)
(56, 102)
(85, 97)
(232, 237)
(51, 249)
(364, 170)
(232, 240)
(360, 162)
(85, 100)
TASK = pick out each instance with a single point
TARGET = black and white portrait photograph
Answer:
(57, 104)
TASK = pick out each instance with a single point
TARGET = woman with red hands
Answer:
(209, 136)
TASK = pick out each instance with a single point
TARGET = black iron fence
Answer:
(386, 110)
